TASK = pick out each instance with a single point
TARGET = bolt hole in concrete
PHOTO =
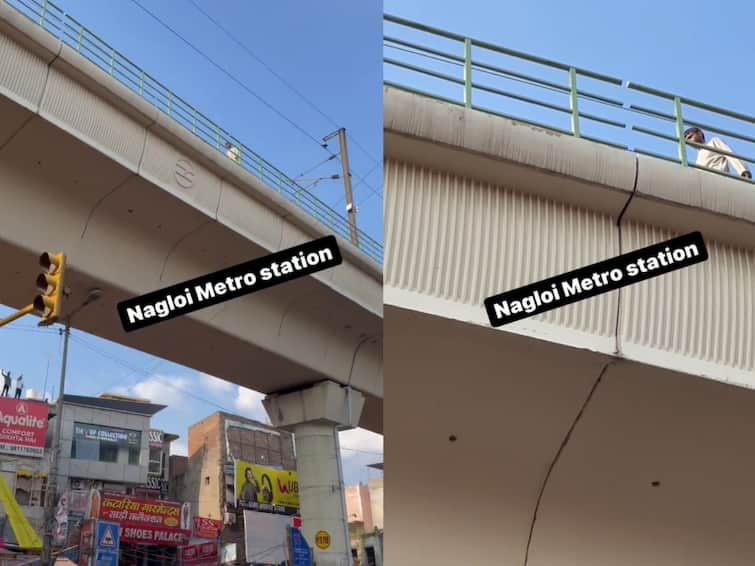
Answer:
(130, 210)
(452, 438)
(655, 483)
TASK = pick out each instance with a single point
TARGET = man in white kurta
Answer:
(712, 159)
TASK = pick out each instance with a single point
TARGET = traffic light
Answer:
(50, 285)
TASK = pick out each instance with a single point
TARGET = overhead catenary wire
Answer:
(227, 73)
(244, 86)
(279, 77)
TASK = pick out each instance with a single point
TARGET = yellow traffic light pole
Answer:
(18, 314)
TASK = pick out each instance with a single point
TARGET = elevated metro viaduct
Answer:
(615, 431)
(138, 203)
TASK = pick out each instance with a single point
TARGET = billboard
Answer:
(262, 488)
(23, 427)
(147, 521)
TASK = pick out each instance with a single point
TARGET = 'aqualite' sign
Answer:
(23, 427)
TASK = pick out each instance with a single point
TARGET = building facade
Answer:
(364, 508)
(208, 482)
(107, 443)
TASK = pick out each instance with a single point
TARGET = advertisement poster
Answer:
(207, 528)
(24, 427)
(266, 489)
(147, 521)
(205, 553)
(61, 520)
(86, 543)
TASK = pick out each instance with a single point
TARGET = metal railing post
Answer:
(79, 38)
(141, 84)
(217, 137)
(681, 143)
(170, 101)
(573, 104)
(467, 72)
(112, 60)
(43, 14)
(194, 121)
(259, 167)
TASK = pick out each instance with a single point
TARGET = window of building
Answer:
(105, 444)
(30, 488)
(155, 461)
(133, 455)
(370, 552)
(108, 452)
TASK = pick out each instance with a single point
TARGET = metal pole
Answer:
(573, 105)
(468, 72)
(16, 315)
(681, 142)
(52, 484)
(350, 209)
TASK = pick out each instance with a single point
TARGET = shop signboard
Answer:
(204, 553)
(207, 528)
(107, 434)
(147, 521)
(23, 427)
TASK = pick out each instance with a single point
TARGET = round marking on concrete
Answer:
(322, 539)
(184, 174)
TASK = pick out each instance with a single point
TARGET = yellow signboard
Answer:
(266, 486)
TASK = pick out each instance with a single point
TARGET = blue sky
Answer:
(689, 48)
(335, 67)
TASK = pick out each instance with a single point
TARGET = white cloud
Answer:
(215, 384)
(249, 404)
(360, 441)
(179, 448)
(164, 389)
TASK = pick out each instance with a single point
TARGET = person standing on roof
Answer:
(233, 152)
(6, 383)
(19, 385)
(712, 159)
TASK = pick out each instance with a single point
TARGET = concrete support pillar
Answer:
(315, 415)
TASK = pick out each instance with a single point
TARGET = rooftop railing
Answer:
(75, 35)
(552, 95)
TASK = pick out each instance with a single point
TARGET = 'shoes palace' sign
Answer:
(23, 427)
(147, 521)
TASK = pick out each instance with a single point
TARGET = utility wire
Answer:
(330, 158)
(361, 179)
(244, 86)
(228, 74)
(279, 77)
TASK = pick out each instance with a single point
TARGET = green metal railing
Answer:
(417, 59)
(74, 34)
